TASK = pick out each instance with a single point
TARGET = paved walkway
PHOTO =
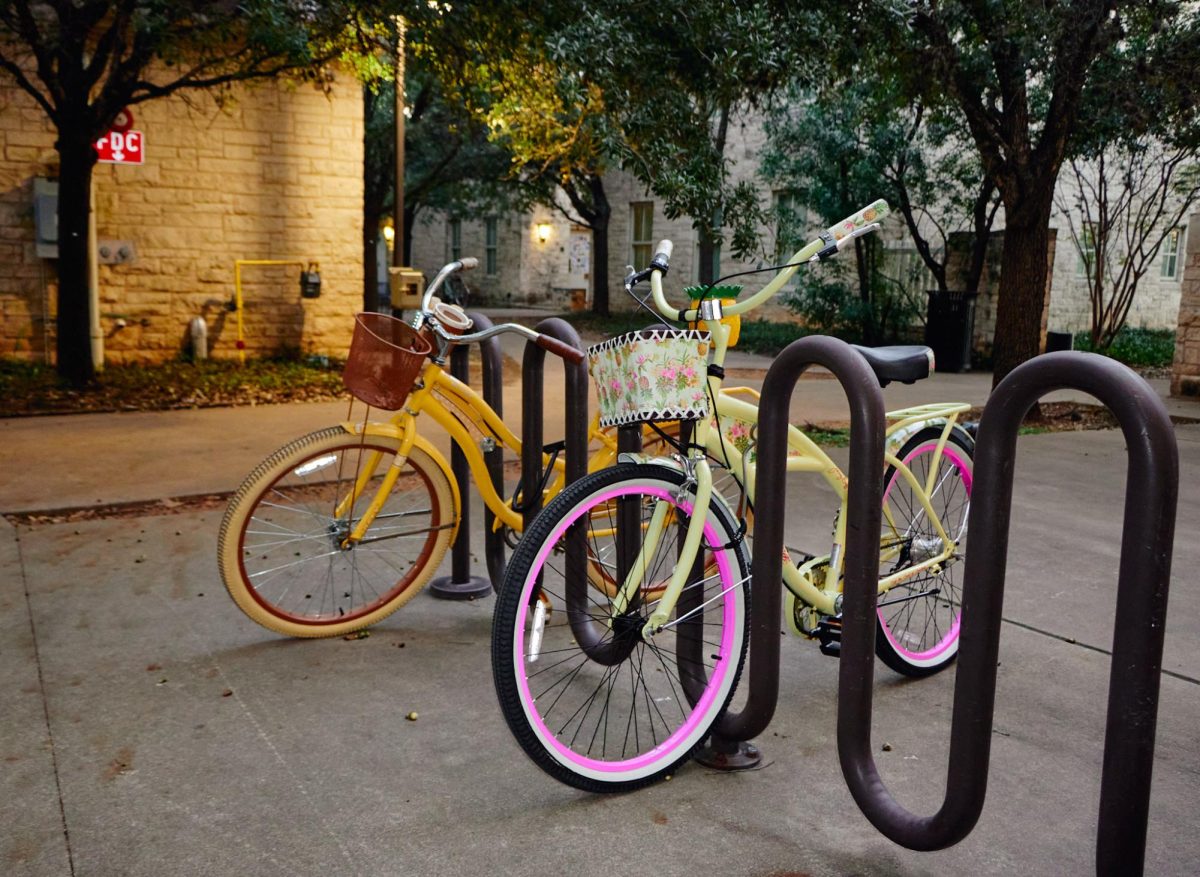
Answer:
(149, 728)
(68, 461)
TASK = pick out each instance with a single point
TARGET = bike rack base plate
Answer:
(444, 588)
(728, 755)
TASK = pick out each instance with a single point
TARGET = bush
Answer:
(617, 323)
(830, 304)
(1150, 348)
(768, 337)
(27, 388)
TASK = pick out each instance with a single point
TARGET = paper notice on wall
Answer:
(579, 253)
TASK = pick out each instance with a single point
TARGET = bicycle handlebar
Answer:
(826, 245)
(553, 345)
(663, 255)
(559, 348)
(467, 264)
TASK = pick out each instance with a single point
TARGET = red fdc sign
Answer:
(121, 147)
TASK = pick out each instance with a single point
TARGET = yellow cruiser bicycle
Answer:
(608, 689)
(338, 529)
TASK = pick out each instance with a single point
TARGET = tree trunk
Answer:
(410, 219)
(982, 214)
(1022, 292)
(707, 248)
(976, 261)
(601, 213)
(370, 240)
(865, 268)
(77, 158)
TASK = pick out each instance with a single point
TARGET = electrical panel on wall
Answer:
(45, 217)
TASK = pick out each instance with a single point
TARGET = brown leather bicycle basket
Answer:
(386, 355)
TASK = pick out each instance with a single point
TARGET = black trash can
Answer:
(1059, 341)
(950, 328)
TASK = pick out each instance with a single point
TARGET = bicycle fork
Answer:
(699, 477)
(345, 508)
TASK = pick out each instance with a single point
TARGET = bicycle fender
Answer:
(389, 430)
(643, 459)
(897, 440)
(669, 463)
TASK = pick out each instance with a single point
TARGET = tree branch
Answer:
(26, 85)
(1090, 29)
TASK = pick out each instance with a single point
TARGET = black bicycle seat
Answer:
(907, 363)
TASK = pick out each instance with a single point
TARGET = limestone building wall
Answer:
(1185, 373)
(276, 173)
(542, 273)
(1155, 305)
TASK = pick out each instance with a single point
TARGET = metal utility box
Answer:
(407, 286)
(310, 281)
(45, 217)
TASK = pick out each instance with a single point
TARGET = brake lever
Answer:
(634, 278)
(833, 247)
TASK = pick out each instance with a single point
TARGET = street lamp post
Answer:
(398, 198)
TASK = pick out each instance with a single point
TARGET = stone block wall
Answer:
(274, 174)
(1185, 372)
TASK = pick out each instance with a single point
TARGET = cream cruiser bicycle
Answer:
(620, 631)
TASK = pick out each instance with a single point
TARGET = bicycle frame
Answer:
(804, 456)
(433, 390)
(807, 456)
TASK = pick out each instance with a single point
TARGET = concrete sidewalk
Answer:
(150, 728)
(71, 461)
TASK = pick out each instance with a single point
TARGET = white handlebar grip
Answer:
(665, 248)
(469, 263)
(869, 215)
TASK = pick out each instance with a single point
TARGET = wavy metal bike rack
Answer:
(461, 584)
(1144, 575)
(862, 521)
(533, 382)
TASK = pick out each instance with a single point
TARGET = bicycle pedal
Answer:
(829, 632)
(832, 648)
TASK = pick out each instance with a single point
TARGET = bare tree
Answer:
(1124, 202)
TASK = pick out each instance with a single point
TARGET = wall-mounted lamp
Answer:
(389, 233)
(542, 232)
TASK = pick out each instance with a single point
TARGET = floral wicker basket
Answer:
(386, 355)
(654, 374)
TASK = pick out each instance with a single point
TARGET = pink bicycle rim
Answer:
(951, 636)
(720, 669)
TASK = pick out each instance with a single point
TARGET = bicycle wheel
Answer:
(919, 618)
(281, 543)
(592, 702)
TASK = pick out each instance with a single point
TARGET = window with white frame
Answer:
(455, 239)
(642, 233)
(1171, 246)
(491, 245)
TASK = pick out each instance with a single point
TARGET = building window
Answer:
(1087, 250)
(455, 239)
(1170, 253)
(491, 245)
(789, 224)
(642, 223)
